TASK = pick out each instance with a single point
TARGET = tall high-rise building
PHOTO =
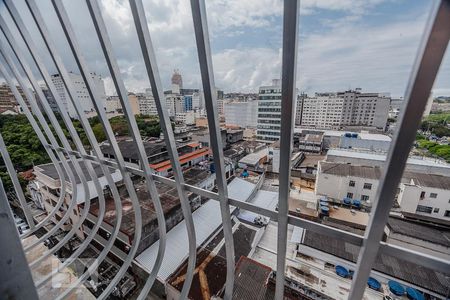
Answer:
(81, 92)
(177, 79)
(349, 108)
(187, 102)
(269, 112)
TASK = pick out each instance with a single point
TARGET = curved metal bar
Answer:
(96, 149)
(16, 183)
(145, 42)
(77, 226)
(72, 40)
(43, 141)
(17, 51)
(206, 69)
(36, 111)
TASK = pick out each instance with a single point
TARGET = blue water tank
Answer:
(347, 201)
(341, 271)
(325, 210)
(356, 203)
(414, 294)
(354, 135)
(323, 203)
(373, 284)
(212, 168)
(348, 135)
(396, 288)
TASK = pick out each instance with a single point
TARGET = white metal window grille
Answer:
(15, 278)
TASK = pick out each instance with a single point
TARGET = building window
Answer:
(367, 186)
(447, 213)
(350, 195)
(422, 195)
(433, 195)
(424, 209)
(436, 210)
(351, 183)
(364, 198)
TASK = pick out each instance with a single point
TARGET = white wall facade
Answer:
(338, 187)
(351, 108)
(242, 114)
(426, 201)
(81, 92)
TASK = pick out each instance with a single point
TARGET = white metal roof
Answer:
(265, 199)
(207, 219)
(254, 158)
(382, 157)
(337, 133)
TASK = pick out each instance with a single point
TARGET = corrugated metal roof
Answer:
(207, 219)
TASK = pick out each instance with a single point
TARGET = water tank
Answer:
(323, 203)
(373, 284)
(396, 288)
(325, 210)
(348, 135)
(347, 201)
(414, 294)
(341, 271)
(356, 203)
(354, 135)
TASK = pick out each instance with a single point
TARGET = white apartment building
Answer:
(81, 92)
(174, 104)
(269, 113)
(419, 193)
(147, 105)
(198, 101)
(187, 118)
(349, 108)
(113, 104)
(242, 114)
(45, 190)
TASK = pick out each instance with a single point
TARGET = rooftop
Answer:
(129, 150)
(207, 219)
(382, 157)
(50, 170)
(419, 179)
(254, 158)
(336, 133)
(210, 274)
(168, 196)
(426, 232)
(391, 266)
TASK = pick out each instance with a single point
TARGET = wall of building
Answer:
(242, 114)
(337, 187)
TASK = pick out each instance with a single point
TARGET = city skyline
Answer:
(335, 41)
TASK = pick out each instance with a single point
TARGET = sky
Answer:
(343, 44)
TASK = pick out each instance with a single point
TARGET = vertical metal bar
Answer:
(288, 99)
(96, 149)
(206, 69)
(15, 278)
(16, 183)
(148, 53)
(426, 67)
